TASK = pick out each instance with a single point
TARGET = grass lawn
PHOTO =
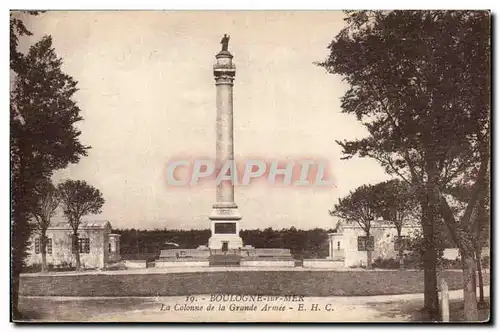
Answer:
(306, 283)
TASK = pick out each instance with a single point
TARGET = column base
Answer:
(225, 227)
(233, 241)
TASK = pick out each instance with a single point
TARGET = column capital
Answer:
(224, 80)
(224, 69)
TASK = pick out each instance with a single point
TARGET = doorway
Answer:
(225, 246)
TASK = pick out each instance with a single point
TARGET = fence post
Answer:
(445, 302)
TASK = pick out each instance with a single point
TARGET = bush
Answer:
(32, 268)
(485, 262)
(64, 266)
(383, 263)
(451, 264)
(414, 256)
(412, 262)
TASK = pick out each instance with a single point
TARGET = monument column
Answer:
(225, 216)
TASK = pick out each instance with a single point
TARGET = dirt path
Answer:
(397, 308)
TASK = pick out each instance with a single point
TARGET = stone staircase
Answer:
(224, 260)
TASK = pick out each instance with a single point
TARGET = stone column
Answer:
(225, 209)
(224, 72)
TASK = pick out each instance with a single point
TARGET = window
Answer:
(48, 247)
(338, 245)
(38, 246)
(404, 242)
(84, 245)
(364, 245)
(109, 247)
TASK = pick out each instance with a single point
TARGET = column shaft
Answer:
(224, 141)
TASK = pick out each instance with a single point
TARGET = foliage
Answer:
(18, 29)
(455, 264)
(63, 267)
(485, 262)
(148, 243)
(410, 86)
(360, 206)
(79, 199)
(396, 202)
(411, 262)
(47, 203)
(420, 83)
(390, 199)
(43, 136)
(415, 256)
(42, 133)
(389, 263)
(43, 112)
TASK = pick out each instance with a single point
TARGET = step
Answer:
(224, 260)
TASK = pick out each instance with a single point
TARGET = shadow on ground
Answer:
(411, 310)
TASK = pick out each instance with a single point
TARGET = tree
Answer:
(396, 203)
(18, 29)
(79, 199)
(42, 134)
(359, 206)
(419, 82)
(47, 204)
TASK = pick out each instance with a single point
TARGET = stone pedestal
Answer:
(225, 217)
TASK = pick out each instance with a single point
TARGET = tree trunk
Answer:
(465, 241)
(20, 228)
(14, 284)
(478, 243)
(20, 237)
(368, 259)
(76, 250)
(43, 246)
(480, 276)
(469, 277)
(400, 250)
(20, 234)
(16, 263)
(431, 300)
(368, 251)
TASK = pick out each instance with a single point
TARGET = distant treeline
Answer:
(148, 243)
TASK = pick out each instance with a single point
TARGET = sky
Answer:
(147, 95)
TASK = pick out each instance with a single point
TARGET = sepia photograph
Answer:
(250, 166)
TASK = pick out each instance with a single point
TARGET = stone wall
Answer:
(268, 263)
(323, 264)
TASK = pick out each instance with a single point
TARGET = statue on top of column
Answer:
(225, 42)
